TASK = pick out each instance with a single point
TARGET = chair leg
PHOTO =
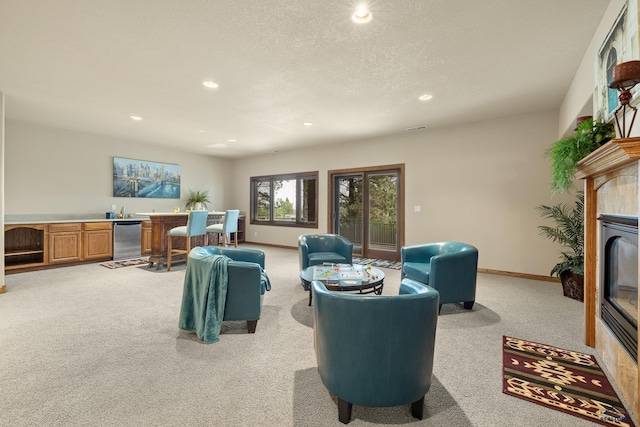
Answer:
(439, 308)
(344, 411)
(168, 253)
(251, 326)
(417, 408)
(224, 239)
(469, 304)
(235, 239)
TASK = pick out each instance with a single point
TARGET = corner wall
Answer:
(3, 286)
(478, 183)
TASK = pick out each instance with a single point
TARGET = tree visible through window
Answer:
(290, 199)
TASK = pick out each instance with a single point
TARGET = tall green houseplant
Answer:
(568, 230)
(567, 152)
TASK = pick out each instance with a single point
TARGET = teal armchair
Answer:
(449, 267)
(376, 350)
(315, 249)
(247, 284)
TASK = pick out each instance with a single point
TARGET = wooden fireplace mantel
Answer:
(611, 156)
(611, 184)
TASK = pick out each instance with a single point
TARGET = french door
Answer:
(367, 207)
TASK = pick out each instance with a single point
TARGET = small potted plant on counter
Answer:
(197, 200)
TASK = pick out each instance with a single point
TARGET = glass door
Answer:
(365, 210)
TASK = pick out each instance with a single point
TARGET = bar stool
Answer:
(229, 226)
(196, 226)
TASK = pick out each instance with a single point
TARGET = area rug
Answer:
(560, 379)
(377, 263)
(125, 263)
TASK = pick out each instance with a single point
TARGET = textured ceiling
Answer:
(88, 65)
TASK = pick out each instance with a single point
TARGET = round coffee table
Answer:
(345, 278)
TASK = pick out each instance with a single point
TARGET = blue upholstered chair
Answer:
(228, 227)
(376, 350)
(196, 226)
(247, 284)
(314, 249)
(449, 267)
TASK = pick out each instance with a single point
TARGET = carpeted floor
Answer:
(89, 346)
(563, 380)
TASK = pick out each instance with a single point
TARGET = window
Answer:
(290, 200)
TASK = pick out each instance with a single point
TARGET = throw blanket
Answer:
(204, 296)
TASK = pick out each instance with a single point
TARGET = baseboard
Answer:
(519, 275)
(272, 245)
(3, 289)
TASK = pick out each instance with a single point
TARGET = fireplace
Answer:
(619, 279)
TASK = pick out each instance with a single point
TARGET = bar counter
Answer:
(161, 223)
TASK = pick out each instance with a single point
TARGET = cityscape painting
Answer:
(139, 178)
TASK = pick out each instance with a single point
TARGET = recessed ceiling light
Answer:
(362, 15)
(425, 97)
(231, 140)
(218, 145)
(210, 84)
(201, 131)
(308, 124)
(136, 118)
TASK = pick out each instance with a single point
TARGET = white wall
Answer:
(2, 285)
(54, 171)
(578, 100)
(478, 183)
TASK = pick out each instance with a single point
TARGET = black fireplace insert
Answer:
(619, 285)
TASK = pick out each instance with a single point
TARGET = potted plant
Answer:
(569, 232)
(567, 152)
(197, 200)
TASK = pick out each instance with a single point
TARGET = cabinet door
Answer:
(65, 247)
(98, 244)
(146, 242)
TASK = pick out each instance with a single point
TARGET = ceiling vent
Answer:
(416, 128)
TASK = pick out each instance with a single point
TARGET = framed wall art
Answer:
(620, 45)
(141, 178)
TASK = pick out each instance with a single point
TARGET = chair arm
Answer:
(345, 248)
(303, 252)
(244, 291)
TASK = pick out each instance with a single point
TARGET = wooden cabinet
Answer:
(25, 245)
(97, 240)
(241, 229)
(147, 241)
(65, 243)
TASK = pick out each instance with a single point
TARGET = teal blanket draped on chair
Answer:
(204, 296)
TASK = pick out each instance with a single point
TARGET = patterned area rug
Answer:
(125, 263)
(560, 379)
(378, 263)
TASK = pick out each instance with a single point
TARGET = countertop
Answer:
(65, 218)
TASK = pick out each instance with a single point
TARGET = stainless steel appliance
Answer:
(127, 239)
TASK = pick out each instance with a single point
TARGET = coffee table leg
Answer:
(310, 295)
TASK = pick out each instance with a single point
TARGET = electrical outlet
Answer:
(255, 233)
(113, 208)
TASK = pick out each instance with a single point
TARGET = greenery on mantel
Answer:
(567, 152)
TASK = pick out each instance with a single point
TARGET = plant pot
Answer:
(572, 285)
